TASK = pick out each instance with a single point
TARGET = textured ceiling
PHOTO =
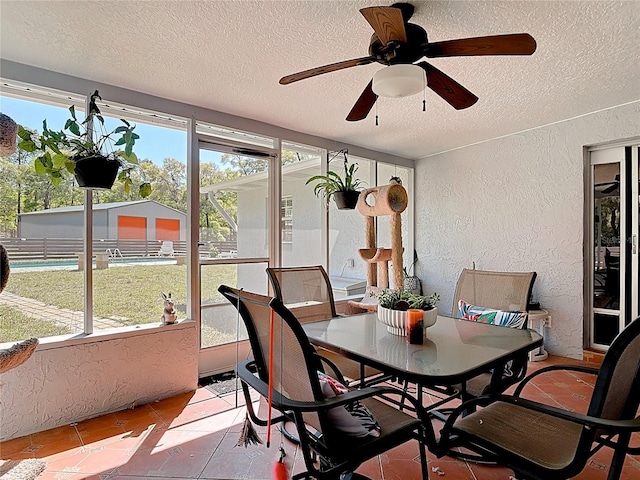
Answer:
(229, 55)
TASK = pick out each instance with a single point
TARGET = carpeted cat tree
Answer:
(388, 200)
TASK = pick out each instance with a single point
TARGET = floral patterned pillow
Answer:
(504, 318)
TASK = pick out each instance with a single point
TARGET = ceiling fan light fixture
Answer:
(397, 81)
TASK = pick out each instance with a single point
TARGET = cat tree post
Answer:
(370, 239)
(396, 251)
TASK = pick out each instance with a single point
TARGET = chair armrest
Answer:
(283, 403)
(574, 368)
(614, 426)
(611, 426)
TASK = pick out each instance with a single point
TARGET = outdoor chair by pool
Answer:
(543, 442)
(307, 292)
(166, 248)
(299, 394)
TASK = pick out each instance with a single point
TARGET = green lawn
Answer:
(15, 326)
(129, 295)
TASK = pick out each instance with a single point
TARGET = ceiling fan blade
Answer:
(511, 44)
(387, 22)
(450, 90)
(363, 105)
(312, 72)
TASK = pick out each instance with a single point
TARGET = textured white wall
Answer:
(65, 384)
(516, 203)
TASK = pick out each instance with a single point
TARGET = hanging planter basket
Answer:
(96, 172)
(346, 199)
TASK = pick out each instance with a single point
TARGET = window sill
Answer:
(59, 341)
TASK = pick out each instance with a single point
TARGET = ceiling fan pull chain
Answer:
(424, 94)
(376, 114)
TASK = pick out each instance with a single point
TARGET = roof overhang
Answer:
(290, 172)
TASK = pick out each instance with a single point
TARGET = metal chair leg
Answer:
(619, 455)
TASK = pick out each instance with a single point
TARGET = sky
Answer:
(155, 143)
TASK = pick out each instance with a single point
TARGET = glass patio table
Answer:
(453, 351)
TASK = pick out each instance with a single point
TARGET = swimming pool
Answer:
(69, 264)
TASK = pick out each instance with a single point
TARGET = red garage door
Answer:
(167, 229)
(132, 228)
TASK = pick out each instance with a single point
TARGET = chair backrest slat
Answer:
(497, 290)
(295, 363)
(306, 291)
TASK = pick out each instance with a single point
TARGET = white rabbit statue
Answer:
(169, 316)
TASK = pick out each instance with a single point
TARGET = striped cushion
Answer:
(353, 418)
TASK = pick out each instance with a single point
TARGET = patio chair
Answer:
(166, 248)
(307, 292)
(504, 292)
(298, 394)
(612, 280)
(498, 290)
(542, 442)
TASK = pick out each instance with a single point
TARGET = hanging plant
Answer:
(344, 189)
(92, 157)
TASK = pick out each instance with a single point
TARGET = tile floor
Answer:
(193, 436)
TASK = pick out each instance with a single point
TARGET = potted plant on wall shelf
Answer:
(344, 189)
(79, 149)
(393, 306)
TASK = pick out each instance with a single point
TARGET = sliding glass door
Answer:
(615, 260)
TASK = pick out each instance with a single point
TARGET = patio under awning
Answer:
(290, 172)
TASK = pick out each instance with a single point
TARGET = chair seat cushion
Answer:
(546, 441)
(353, 419)
(504, 318)
(392, 422)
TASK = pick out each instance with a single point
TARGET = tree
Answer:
(170, 182)
(245, 165)
(253, 165)
(22, 190)
(9, 196)
(214, 227)
(289, 156)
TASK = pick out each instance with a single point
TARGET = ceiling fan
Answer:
(395, 41)
(609, 187)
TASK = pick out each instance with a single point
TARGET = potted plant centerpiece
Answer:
(80, 149)
(344, 189)
(393, 306)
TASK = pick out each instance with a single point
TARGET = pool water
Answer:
(73, 264)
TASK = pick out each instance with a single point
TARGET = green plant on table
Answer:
(404, 300)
